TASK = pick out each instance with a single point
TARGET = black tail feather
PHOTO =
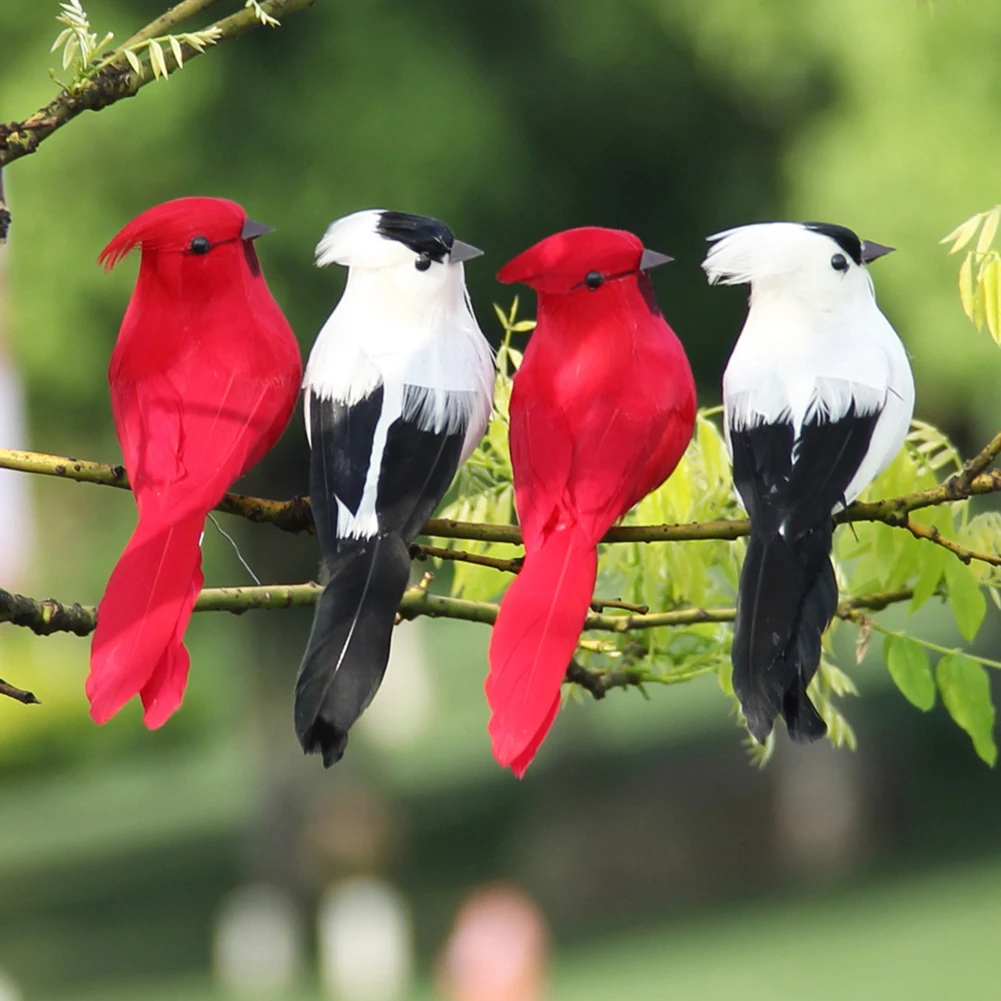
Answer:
(786, 600)
(349, 643)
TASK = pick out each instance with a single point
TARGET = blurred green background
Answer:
(664, 865)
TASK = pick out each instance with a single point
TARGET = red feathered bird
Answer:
(602, 409)
(204, 379)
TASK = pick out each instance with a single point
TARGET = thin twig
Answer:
(931, 533)
(419, 551)
(873, 602)
(291, 516)
(168, 21)
(600, 604)
(116, 79)
(4, 212)
(975, 466)
(598, 682)
(18, 694)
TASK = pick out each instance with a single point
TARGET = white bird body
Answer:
(398, 391)
(818, 395)
(794, 362)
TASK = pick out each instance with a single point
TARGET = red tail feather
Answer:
(138, 645)
(533, 640)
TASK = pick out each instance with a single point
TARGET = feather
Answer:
(398, 392)
(817, 398)
(203, 380)
(141, 620)
(602, 409)
(348, 646)
(533, 641)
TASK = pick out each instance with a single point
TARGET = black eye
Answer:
(594, 279)
(839, 263)
(200, 245)
(423, 264)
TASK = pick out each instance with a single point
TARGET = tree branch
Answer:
(4, 213)
(47, 616)
(932, 534)
(598, 682)
(975, 466)
(168, 21)
(295, 515)
(292, 515)
(18, 694)
(116, 80)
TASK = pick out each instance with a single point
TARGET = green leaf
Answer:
(967, 290)
(989, 278)
(175, 47)
(835, 679)
(72, 46)
(966, 692)
(963, 233)
(63, 35)
(989, 231)
(965, 598)
(978, 303)
(908, 665)
(156, 59)
(133, 61)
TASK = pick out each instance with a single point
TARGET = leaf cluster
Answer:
(980, 272)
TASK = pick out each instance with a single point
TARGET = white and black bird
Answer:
(398, 390)
(817, 395)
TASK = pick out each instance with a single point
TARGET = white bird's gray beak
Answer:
(251, 230)
(651, 259)
(463, 252)
(871, 251)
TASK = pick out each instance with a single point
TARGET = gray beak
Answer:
(871, 251)
(251, 230)
(651, 259)
(463, 252)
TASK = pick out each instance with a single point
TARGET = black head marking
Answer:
(420, 233)
(842, 236)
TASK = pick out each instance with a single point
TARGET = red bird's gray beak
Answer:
(651, 259)
(871, 251)
(252, 230)
(463, 252)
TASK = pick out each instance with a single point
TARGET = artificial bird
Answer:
(818, 395)
(602, 409)
(398, 390)
(204, 378)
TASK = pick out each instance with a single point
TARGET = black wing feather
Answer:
(341, 438)
(788, 594)
(349, 644)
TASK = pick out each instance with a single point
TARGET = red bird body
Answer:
(204, 378)
(602, 409)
